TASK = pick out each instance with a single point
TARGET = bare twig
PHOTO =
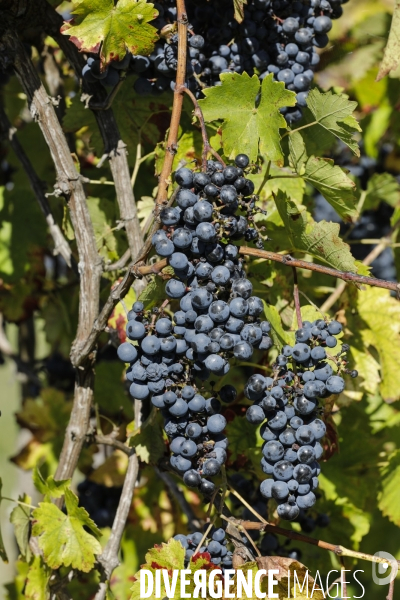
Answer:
(68, 185)
(61, 245)
(297, 299)
(289, 261)
(293, 535)
(107, 440)
(391, 590)
(109, 558)
(120, 263)
(172, 140)
(114, 147)
(206, 144)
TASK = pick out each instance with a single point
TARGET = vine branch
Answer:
(293, 535)
(172, 140)
(206, 143)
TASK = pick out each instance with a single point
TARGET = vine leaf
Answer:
(62, 537)
(250, 114)
(49, 487)
(333, 116)
(307, 587)
(321, 240)
(377, 320)
(112, 29)
(37, 581)
(242, 436)
(238, 6)
(382, 187)
(330, 180)
(391, 55)
(279, 335)
(3, 553)
(20, 518)
(388, 496)
(171, 556)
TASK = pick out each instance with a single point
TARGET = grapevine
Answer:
(203, 329)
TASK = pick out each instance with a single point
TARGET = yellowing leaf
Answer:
(117, 28)
(49, 487)
(62, 538)
(378, 323)
(389, 496)
(37, 581)
(321, 240)
(250, 114)
(391, 55)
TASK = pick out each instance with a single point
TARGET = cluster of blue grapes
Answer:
(217, 319)
(101, 502)
(287, 407)
(110, 76)
(215, 544)
(276, 36)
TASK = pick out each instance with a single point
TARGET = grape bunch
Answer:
(111, 74)
(101, 502)
(286, 406)
(215, 544)
(278, 37)
(217, 320)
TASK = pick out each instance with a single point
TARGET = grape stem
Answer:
(391, 590)
(297, 299)
(172, 140)
(241, 529)
(293, 535)
(289, 261)
(206, 144)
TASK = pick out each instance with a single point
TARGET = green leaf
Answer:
(37, 581)
(389, 496)
(3, 553)
(330, 180)
(20, 518)
(242, 435)
(321, 240)
(381, 187)
(49, 487)
(377, 321)
(155, 291)
(117, 28)
(391, 55)
(62, 538)
(333, 113)
(250, 114)
(278, 334)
